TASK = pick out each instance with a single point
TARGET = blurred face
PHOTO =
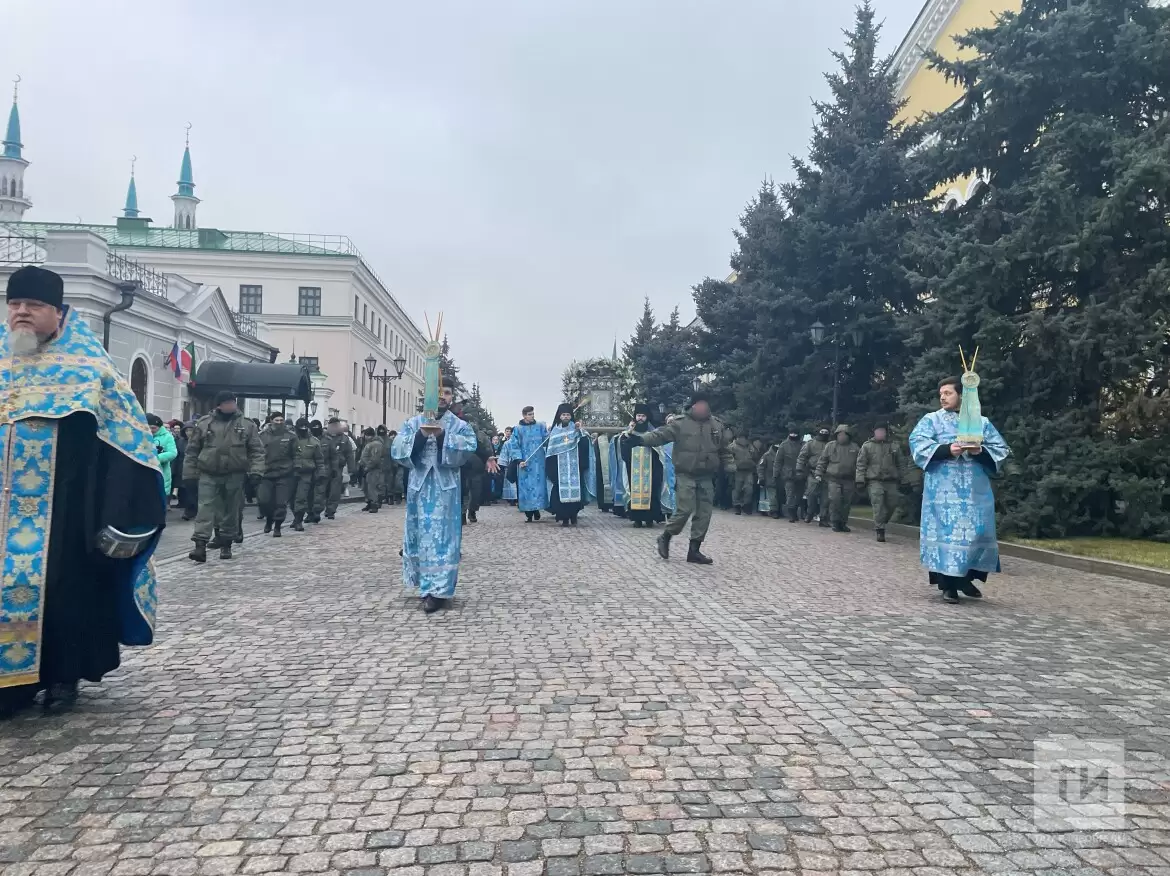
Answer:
(639, 418)
(507, 433)
(700, 410)
(879, 434)
(154, 429)
(227, 407)
(530, 417)
(842, 437)
(565, 417)
(335, 428)
(948, 397)
(277, 422)
(446, 395)
(176, 431)
(34, 317)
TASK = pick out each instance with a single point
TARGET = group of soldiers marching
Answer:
(232, 459)
(816, 478)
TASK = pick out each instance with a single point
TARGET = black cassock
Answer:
(567, 510)
(655, 513)
(94, 486)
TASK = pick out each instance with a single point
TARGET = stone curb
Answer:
(1128, 571)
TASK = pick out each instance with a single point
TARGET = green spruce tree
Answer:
(1059, 268)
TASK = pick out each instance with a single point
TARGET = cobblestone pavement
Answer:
(806, 705)
(176, 538)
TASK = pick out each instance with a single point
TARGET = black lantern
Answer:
(399, 364)
(371, 364)
(817, 331)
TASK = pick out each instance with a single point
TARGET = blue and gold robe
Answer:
(669, 503)
(570, 470)
(433, 538)
(957, 535)
(77, 456)
(509, 493)
(528, 446)
(618, 479)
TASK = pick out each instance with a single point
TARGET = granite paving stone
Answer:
(806, 705)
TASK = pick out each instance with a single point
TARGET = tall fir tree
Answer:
(449, 369)
(825, 250)
(1059, 268)
(668, 368)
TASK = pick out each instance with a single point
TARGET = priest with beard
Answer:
(569, 467)
(644, 474)
(83, 501)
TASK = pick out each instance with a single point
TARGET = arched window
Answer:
(139, 380)
(4, 187)
(21, 188)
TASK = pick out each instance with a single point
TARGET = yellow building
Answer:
(925, 90)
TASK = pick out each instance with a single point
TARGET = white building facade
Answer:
(314, 299)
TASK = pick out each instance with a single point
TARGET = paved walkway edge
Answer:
(1051, 558)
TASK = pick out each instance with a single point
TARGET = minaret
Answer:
(184, 198)
(130, 211)
(13, 203)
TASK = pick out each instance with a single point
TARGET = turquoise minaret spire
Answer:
(12, 144)
(184, 199)
(130, 211)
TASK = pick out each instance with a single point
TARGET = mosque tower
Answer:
(13, 203)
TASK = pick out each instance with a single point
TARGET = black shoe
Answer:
(824, 524)
(471, 518)
(267, 527)
(738, 511)
(225, 552)
(239, 539)
(330, 516)
(664, 545)
(637, 524)
(276, 530)
(845, 528)
(316, 518)
(199, 554)
(971, 590)
(951, 596)
(573, 521)
(793, 519)
(694, 555)
(218, 542)
(565, 523)
(881, 535)
(527, 516)
(61, 695)
(431, 604)
(297, 524)
(535, 515)
(374, 509)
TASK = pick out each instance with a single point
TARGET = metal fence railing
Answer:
(17, 250)
(128, 270)
(244, 324)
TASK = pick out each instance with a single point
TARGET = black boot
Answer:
(694, 555)
(316, 518)
(637, 524)
(881, 535)
(535, 515)
(792, 518)
(527, 516)
(225, 552)
(664, 545)
(471, 518)
(276, 530)
(431, 604)
(298, 524)
(565, 523)
(951, 596)
(61, 695)
(199, 554)
(218, 542)
(239, 537)
(330, 516)
(738, 510)
(573, 520)
(374, 507)
(268, 526)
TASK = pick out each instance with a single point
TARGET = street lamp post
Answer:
(817, 333)
(385, 377)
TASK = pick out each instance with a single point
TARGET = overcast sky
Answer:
(533, 169)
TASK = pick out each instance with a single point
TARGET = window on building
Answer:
(355, 307)
(355, 378)
(251, 299)
(309, 301)
(363, 383)
(365, 316)
(311, 361)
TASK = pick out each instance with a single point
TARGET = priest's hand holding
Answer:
(524, 464)
(957, 449)
(493, 466)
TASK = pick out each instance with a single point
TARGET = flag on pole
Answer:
(172, 361)
(187, 359)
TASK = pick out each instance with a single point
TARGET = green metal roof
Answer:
(201, 238)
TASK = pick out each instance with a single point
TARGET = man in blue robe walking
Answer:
(957, 540)
(569, 467)
(527, 454)
(433, 452)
